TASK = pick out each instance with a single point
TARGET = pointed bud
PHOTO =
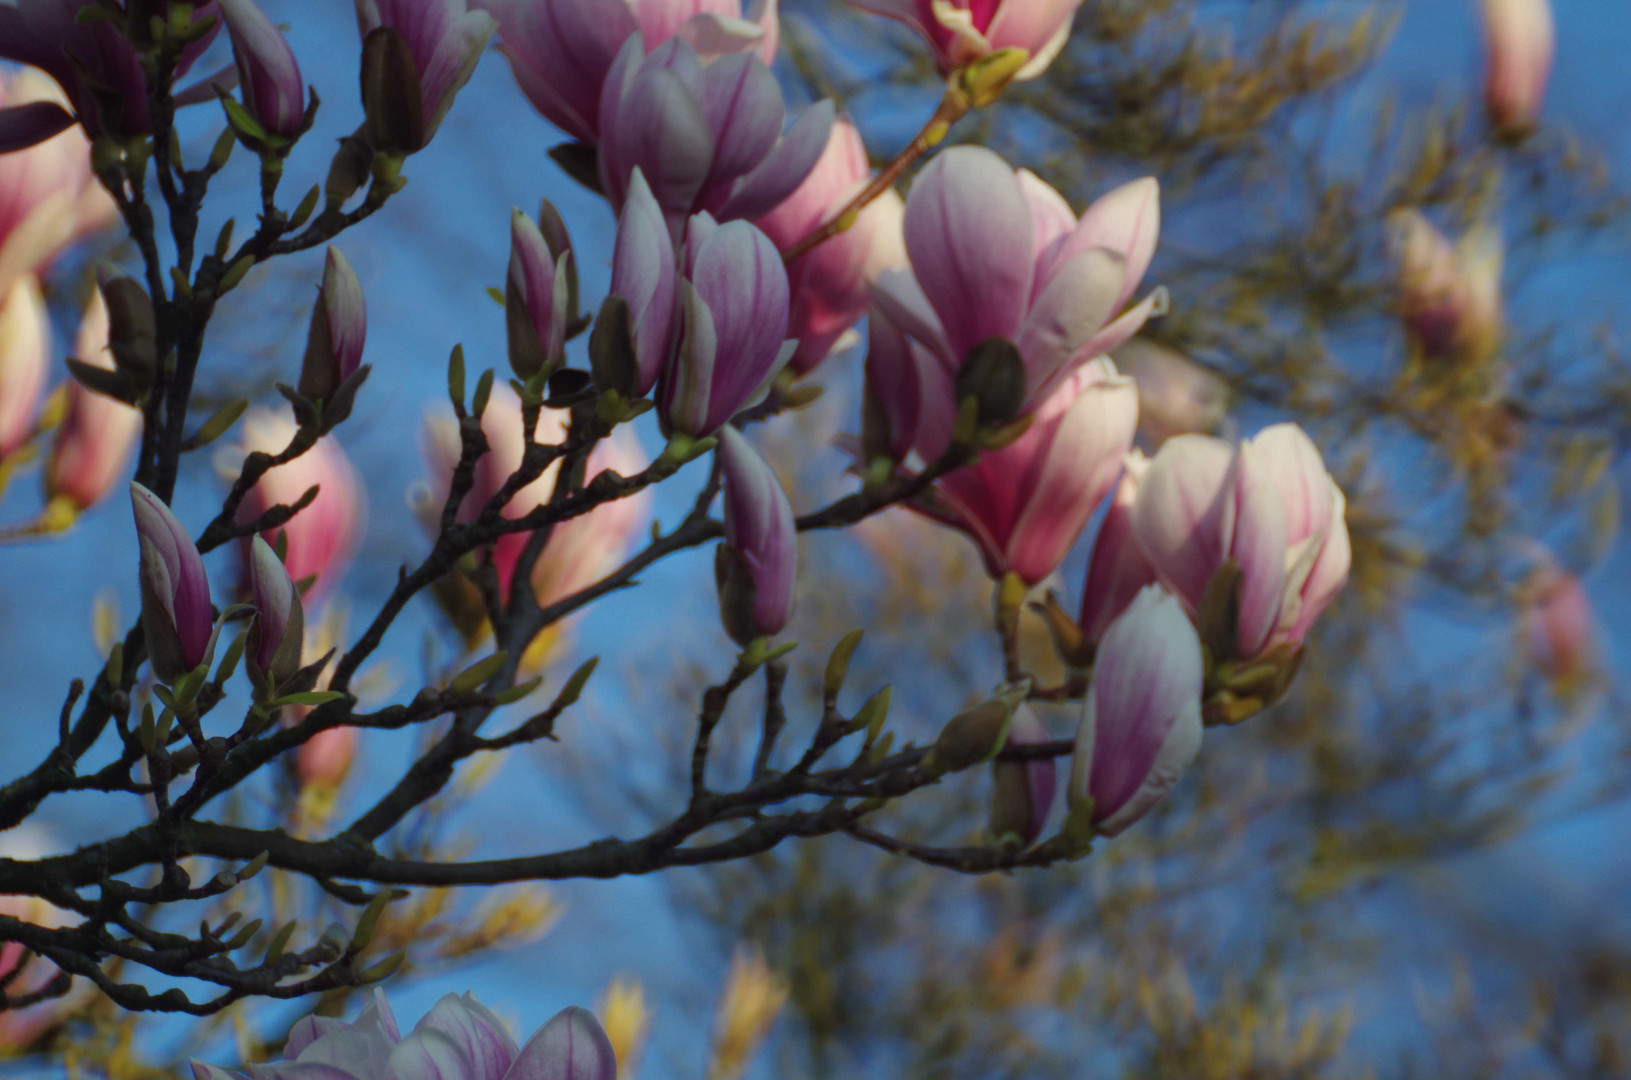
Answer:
(278, 632)
(176, 615)
(268, 73)
(756, 568)
(535, 300)
(391, 96)
(1141, 720)
(1022, 791)
(643, 275)
(339, 328)
(131, 331)
(438, 44)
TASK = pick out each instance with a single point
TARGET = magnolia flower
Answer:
(20, 1027)
(25, 344)
(324, 760)
(1118, 570)
(999, 254)
(733, 326)
(1556, 629)
(268, 73)
(1450, 295)
(537, 293)
(273, 650)
(91, 58)
(580, 550)
(95, 437)
(445, 41)
(1269, 506)
(337, 332)
(1141, 719)
(757, 566)
(1520, 39)
(961, 31)
(644, 277)
(561, 50)
(177, 619)
(707, 138)
(1022, 791)
(829, 283)
(1025, 504)
(48, 197)
(910, 401)
(323, 536)
(459, 1039)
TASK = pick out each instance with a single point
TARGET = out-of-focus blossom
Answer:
(25, 344)
(322, 537)
(562, 50)
(829, 282)
(961, 31)
(644, 276)
(459, 1039)
(999, 254)
(733, 327)
(48, 197)
(337, 333)
(91, 58)
(536, 297)
(753, 997)
(757, 566)
(1118, 570)
(94, 440)
(1450, 295)
(1141, 720)
(581, 550)
(1557, 633)
(268, 73)
(20, 1027)
(1519, 39)
(445, 39)
(279, 631)
(324, 760)
(1022, 791)
(177, 620)
(627, 1020)
(1025, 504)
(1269, 506)
(707, 138)
(1175, 394)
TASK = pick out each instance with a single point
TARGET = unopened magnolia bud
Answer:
(177, 620)
(338, 331)
(132, 334)
(972, 737)
(1022, 791)
(278, 632)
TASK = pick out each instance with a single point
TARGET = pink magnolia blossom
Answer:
(1449, 295)
(961, 31)
(536, 296)
(322, 537)
(998, 253)
(707, 138)
(645, 278)
(733, 300)
(1026, 504)
(1141, 720)
(1268, 505)
(325, 759)
(446, 40)
(91, 58)
(1519, 38)
(1118, 570)
(48, 197)
(25, 346)
(829, 283)
(337, 332)
(1556, 628)
(580, 550)
(177, 619)
(95, 438)
(459, 1039)
(268, 73)
(1023, 791)
(562, 50)
(758, 572)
